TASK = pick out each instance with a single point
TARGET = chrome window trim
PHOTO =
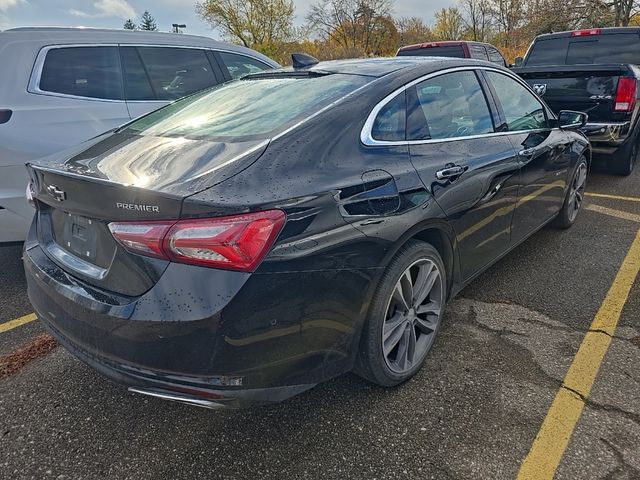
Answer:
(366, 136)
(36, 72)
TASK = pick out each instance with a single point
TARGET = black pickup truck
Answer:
(594, 71)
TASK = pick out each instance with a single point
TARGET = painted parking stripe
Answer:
(10, 325)
(614, 213)
(612, 197)
(554, 435)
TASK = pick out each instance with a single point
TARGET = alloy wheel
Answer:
(413, 316)
(576, 192)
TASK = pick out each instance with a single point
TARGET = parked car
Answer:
(594, 71)
(251, 241)
(62, 86)
(457, 49)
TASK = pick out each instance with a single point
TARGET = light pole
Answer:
(177, 27)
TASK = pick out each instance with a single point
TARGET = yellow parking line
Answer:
(614, 213)
(10, 325)
(554, 435)
(613, 197)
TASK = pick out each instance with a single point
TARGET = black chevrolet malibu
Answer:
(244, 244)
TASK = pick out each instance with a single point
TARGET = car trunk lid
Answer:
(79, 197)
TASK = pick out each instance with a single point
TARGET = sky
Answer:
(113, 13)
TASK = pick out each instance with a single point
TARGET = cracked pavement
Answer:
(472, 412)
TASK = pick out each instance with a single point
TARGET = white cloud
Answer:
(7, 4)
(105, 8)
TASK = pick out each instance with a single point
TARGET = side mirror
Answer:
(519, 61)
(570, 120)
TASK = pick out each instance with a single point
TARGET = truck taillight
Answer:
(5, 115)
(237, 242)
(586, 33)
(626, 94)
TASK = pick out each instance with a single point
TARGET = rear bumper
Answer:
(607, 137)
(227, 338)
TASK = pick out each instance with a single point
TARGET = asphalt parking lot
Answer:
(472, 412)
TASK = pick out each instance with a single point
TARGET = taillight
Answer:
(586, 33)
(238, 242)
(5, 116)
(626, 94)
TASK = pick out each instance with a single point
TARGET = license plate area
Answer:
(80, 236)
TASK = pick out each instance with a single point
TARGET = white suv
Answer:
(62, 86)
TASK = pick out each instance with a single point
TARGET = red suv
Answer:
(458, 49)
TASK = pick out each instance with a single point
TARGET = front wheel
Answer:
(404, 317)
(575, 195)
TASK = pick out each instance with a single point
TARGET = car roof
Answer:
(379, 67)
(81, 35)
(446, 43)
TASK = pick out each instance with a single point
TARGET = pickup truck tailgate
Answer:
(585, 88)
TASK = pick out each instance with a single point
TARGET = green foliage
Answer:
(148, 22)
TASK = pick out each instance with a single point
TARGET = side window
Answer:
(522, 110)
(448, 106)
(240, 65)
(478, 51)
(495, 57)
(136, 81)
(176, 72)
(391, 121)
(92, 72)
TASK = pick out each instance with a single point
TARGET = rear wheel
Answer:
(625, 159)
(404, 317)
(575, 195)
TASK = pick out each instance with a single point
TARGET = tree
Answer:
(129, 25)
(259, 24)
(148, 22)
(357, 27)
(476, 16)
(412, 30)
(449, 24)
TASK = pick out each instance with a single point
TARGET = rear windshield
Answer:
(250, 109)
(596, 49)
(443, 51)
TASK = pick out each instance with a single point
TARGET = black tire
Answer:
(372, 363)
(569, 211)
(625, 159)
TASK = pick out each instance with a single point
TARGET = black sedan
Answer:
(248, 242)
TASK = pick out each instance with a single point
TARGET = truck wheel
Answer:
(625, 159)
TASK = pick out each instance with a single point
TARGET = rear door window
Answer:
(478, 51)
(495, 56)
(172, 72)
(241, 65)
(448, 106)
(136, 81)
(390, 123)
(522, 110)
(91, 72)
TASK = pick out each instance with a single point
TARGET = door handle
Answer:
(527, 152)
(451, 172)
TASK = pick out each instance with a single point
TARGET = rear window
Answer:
(247, 109)
(455, 51)
(92, 72)
(596, 49)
